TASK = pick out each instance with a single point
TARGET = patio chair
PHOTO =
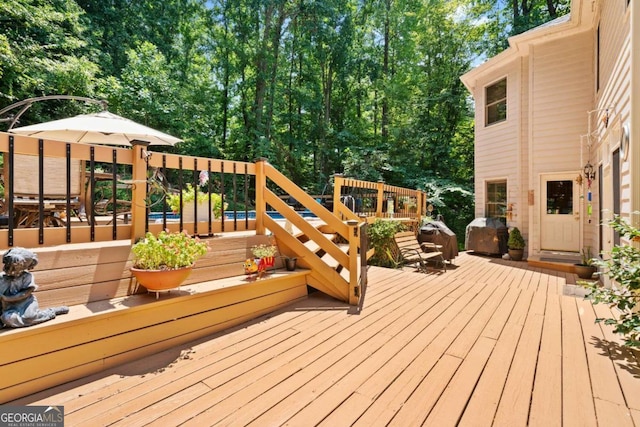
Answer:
(26, 190)
(418, 254)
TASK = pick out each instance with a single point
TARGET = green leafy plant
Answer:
(167, 251)
(623, 268)
(516, 241)
(263, 250)
(189, 195)
(587, 257)
(380, 235)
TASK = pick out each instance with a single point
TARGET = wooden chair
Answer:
(418, 254)
(26, 190)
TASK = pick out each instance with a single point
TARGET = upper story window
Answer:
(496, 102)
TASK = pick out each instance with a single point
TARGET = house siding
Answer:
(561, 93)
(614, 95)
(496, 150)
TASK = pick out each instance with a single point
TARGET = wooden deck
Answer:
(489, 342)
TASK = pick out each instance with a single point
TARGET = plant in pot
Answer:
(164, 261)
(265, 256)
(515, 244)
(587, 265)
(190, 202)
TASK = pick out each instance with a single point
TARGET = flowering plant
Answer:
(263, 251)
(167, 251)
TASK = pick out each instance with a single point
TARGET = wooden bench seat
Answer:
(109, 324)
(410, 251)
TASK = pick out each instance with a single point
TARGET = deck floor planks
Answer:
(340, 392)
(546, 401)
(391, 363)
(389, 386)
(626, 360)
(293, 362)
(247, 368)
(513, 409)
(577, 399)
(324, 371)
(482, 406)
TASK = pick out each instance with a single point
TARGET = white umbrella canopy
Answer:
(97, 128)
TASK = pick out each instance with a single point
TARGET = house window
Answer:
(496, 205)
(496, 99)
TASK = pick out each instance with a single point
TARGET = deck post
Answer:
(139, 190)
(354, 239)
(338, 183)
(261, 184)
(380, 203)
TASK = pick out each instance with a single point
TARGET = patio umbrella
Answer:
(98, 128)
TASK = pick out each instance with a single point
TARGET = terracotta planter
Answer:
(584, 271)
(161, 280)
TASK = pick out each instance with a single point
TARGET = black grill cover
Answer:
(437, 232)
(486, 235)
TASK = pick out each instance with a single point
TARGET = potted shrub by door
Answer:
(587, 266)
(515, 244)
(164, 261)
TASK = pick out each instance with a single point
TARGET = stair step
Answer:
(314, 247)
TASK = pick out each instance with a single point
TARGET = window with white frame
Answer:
(496, 102)
(496, 200)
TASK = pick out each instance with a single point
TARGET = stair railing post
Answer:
(261, 184)
(338, 183)
(354, 280)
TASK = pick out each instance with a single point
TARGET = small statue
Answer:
(19, 305)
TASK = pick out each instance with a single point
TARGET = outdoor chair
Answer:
(412, 252)
(26, 201)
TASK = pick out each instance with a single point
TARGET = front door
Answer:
(560, 213)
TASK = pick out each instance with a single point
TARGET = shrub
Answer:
(623, 268)
(381, 234)
(516, 241)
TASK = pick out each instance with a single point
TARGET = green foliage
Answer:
(189, 195)
(623, 268)
(167, 251)
(515, 241)
(263, 250)
(380, 235)
(586, 255)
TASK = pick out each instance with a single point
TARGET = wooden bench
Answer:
(410, 251)
(111, 322)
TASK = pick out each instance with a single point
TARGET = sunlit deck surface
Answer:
(489, 342)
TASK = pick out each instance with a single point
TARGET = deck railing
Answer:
(353, 198)
(124, 195)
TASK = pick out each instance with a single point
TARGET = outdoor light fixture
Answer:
(589, 171)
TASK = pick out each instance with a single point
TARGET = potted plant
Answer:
(264, 256)
(515, 244)
(164, 261)
(189, 200)
(587, 265)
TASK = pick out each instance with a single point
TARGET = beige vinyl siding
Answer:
(561, 93)
(615, 93)
(496, 149)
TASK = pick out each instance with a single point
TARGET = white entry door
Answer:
(560, 213)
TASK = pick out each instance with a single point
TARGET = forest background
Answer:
(367, 88)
